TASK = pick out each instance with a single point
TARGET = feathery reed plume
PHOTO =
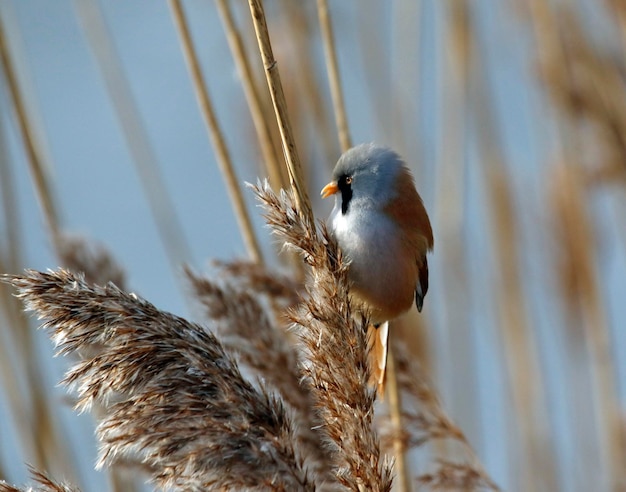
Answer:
(98, 266)
(454, 476)
(427, 421)
(175, 399)
(91, 259)
(334, 348)
(43, 484)
(245, 328)
(283, 290)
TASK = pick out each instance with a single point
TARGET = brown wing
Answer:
(422, 284)
(409, 212)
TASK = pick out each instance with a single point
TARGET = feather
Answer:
(422, 284)
(378, 336)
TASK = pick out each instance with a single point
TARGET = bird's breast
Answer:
(382, 271)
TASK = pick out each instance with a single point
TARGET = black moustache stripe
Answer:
(346, 198)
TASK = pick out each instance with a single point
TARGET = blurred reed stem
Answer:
(215, 133)
(373, 48)
(143, 156)
(457, 371)
(10, 206)
(271, 159)
(48, 449)
(401, 468)
(10, 371)
(537, 451)
(272, 74)
(564, 52)
(334, 78)
(34, 155)
(586, 315)
(405, 65)
(301, 33)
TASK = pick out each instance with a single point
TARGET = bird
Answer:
(381, 226)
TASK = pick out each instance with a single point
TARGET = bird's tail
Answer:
(377, 337)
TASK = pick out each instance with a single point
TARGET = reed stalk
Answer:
(48, 450)
(526, 385)
(215, 133)
(301, 26)
(271, 159)
(450, 191)
(332, 67)
(280, 109)
(35, 158)
(143, 156)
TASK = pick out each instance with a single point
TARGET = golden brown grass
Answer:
(269, 391)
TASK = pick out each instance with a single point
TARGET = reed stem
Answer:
(279, 103)
(334, 78)
(143, 156)
(271, 159)
(35, 158)
(222, 154)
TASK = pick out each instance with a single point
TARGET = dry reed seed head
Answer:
(334, 349)
(93, 260)
(575, 237)
(181, 405)
(454, 476)
(43, 484)
(588, 84)
(246, 329)
(286, 223)
(278, 287)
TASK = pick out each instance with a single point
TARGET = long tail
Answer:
(378, 337)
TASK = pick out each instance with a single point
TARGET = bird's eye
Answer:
(348, 180)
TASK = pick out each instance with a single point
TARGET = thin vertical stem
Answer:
(280, 108)
(162, 207)
(215, 133)
(49, 450)
(251, 92)
(334, 79)
(34, 155)
(395, 411)
(537, 463)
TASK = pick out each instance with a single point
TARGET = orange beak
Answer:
(330, 189)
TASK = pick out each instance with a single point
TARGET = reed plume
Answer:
(93, 260)
(334, 348)
(174, 398)
(43, 483)
(265, 347)
(424, 421)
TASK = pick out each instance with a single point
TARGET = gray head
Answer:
(364, 174)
